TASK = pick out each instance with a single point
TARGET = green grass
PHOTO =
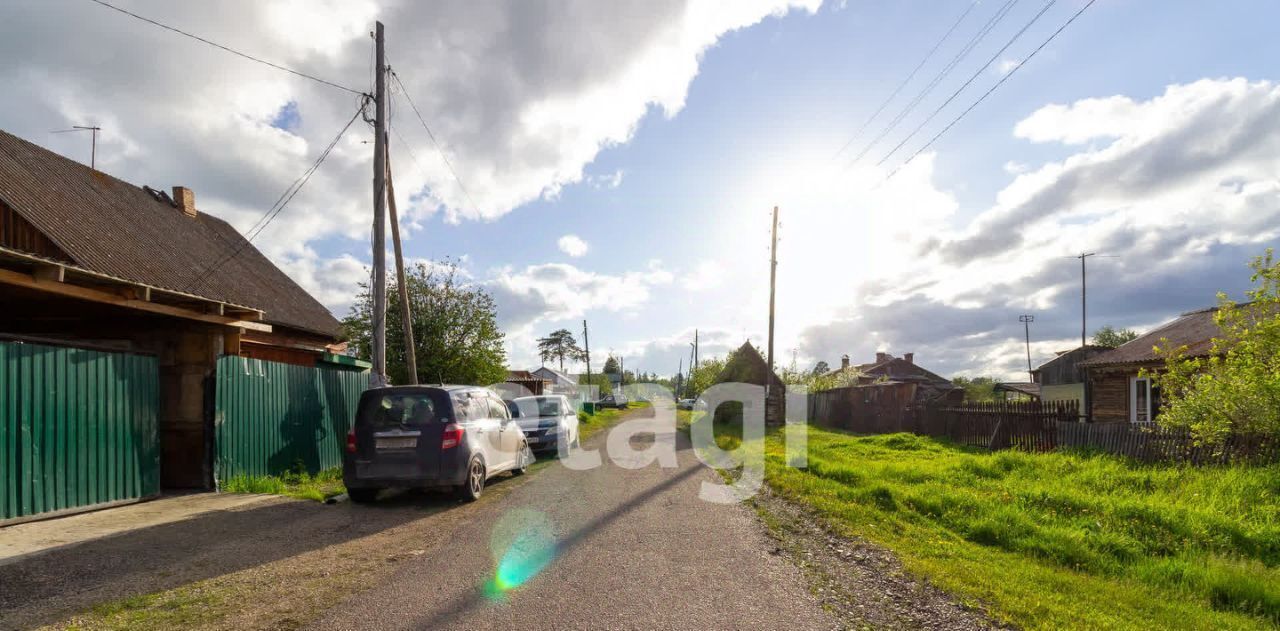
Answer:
(1054, 540)
(301, 485)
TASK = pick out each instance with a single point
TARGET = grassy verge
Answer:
(301, 485)
(1053, 540)
(589, 424)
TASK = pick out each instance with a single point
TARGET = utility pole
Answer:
(406, 315)
(1026, 321)
(378, 376)
(1083, 298)
(586, 342)
(93, 144)
(679, 377)
(773, 285)
(695, 348)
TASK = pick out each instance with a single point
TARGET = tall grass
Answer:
(1055, 540)
(298, 484)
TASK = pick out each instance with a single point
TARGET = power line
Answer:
(1048, 5)
(281, 202)
(992, 89)
(226, 48)
(910, 76)
(973, 42)
(444, 156)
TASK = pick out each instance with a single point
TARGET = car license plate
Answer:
(397, 443)
(533, 439)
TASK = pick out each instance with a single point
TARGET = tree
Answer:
(1111, 337)
(559, 345)
(977, 389)
(455, 328)
(820, 368)
(611, 365)
(1236, 388)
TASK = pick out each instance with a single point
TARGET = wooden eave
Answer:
(21, 269)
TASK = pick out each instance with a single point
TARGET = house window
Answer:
(1144, 400)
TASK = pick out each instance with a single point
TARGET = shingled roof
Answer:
(112, 227)
(1194, 329)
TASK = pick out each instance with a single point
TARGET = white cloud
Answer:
(606, 181)
(1181, 186)
(573, 245)
(706, 275)
(523, 96)
(1007, 65)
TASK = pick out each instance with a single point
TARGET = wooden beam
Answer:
(50, 273)
(8, 277)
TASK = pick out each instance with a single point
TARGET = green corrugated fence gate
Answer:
(77, 428)
(272, 417)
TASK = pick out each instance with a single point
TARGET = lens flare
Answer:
(523, 544)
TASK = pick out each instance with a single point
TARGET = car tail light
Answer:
(452, 436)
(351, 441)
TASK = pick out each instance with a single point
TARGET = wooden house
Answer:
(93, 264)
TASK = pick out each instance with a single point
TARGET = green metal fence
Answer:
(272, 417)
(77, 428)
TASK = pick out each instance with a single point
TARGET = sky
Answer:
(619, 162)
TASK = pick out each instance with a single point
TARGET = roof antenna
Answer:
(93, 147)
(440, 374)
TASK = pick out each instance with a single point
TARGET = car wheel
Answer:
(471, 489)
(522, 460)
(362, 496)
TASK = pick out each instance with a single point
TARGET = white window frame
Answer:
(1133, 399)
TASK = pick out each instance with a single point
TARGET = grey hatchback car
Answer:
(453, 437)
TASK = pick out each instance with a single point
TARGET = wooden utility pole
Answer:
(773, 285)
(679, 377)
(1026, 321)
(586, 343)
(378, 376)
(1083, 298)
(406, 314)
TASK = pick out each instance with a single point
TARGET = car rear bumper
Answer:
(359, 474)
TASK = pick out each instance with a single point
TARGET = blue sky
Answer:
(662, 135)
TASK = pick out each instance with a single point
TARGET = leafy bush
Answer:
(1236, 389)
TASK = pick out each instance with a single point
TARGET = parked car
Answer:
(547, 421)
(613, 401)
(684, 404)
(453, 437)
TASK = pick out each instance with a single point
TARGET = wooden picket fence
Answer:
(1040, 427)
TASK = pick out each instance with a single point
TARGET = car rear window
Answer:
(397, 409)
(548, 407)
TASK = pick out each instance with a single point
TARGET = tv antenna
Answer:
(93, 147)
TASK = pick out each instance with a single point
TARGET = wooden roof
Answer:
(111, 227)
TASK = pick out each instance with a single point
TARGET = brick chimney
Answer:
(910, 358)
(844, 362)
(882, 358)
(185, 198)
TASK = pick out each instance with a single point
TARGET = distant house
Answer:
(889, 369)
(162, 322)
(1063, 378)
(746, 365)
(521, 383)
(1018, 390)
(556, 377)
(1118, 393)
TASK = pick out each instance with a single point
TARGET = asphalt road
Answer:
(610, 547)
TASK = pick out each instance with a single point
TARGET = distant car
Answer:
(547, 421)
(453, 437)
(684, 404)
(618, 401)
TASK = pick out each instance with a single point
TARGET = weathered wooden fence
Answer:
(1026, 425)
(1149, 442)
